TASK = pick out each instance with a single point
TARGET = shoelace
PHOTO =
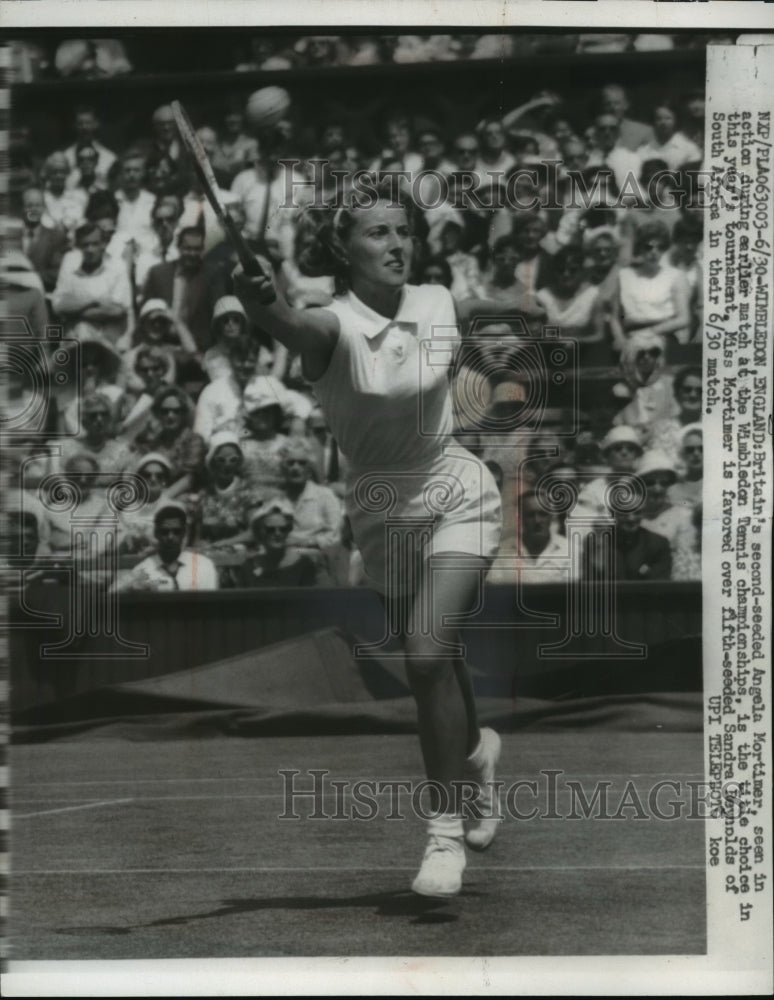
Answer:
(439, 843)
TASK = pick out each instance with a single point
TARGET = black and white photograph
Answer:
(386, 472)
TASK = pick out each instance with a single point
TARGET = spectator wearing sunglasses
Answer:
(666, 435)
(647, 388)
(659, 514)
(170, 434)
(153, 367)
(157, 327)
(687, 490)
(96, 439)
(136, 527)
(227, 496)
(621, 451)
(650, 295)
(275, 564)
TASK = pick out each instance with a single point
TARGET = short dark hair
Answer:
(529, 494)
(651, 231)
(503, 243)
(100, 205)
(190, 231)
(690, 371)
(168, 512)
(86, 145)
(688, 227)
(87, 229)
(443, 264)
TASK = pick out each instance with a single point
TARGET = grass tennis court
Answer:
(173, 849)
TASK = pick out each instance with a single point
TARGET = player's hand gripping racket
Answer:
(250, 264)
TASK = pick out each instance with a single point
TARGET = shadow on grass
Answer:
(386, 904)
(418, 909)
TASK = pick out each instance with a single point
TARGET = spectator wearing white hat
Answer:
(647, 388)
(261, 441)
(172, 566)
(157, 327)
(224, 503)
(220, 405)
(621, 449)
(229, 323)
(276, 564)
(659, 514)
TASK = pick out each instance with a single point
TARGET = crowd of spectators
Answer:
(238, 481)
(100, 58)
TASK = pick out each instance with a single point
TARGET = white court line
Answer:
(564, 775)
(64, 809)
(355, 868)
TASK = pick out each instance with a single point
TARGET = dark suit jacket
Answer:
(648, 558)
(45, 253)
(197, 308)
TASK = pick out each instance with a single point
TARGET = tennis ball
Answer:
(266, 107)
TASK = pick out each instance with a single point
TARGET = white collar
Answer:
(370, 322)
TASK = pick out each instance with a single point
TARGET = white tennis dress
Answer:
(412, 492)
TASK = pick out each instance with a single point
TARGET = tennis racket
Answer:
(206, 175)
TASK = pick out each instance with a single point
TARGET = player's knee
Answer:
(424, 656)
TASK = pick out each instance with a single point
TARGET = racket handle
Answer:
(250, 263)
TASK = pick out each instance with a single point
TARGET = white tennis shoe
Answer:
(483, 812)
(442, 866)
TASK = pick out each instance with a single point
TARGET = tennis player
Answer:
(387, 401)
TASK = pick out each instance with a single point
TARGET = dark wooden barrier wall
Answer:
(183, 630)
(193, 65)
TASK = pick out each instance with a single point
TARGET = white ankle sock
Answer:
(445, 825)
(475, 758)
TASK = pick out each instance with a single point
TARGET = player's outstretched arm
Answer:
(312, 333)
